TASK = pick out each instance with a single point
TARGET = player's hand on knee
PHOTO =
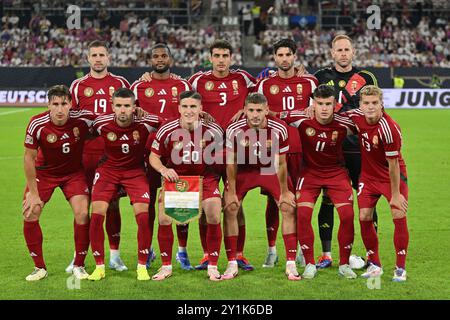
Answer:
(399, 202)
(30, 203)
(231, 201)
(286, 199)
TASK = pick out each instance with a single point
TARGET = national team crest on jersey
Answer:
(76, 133)
(334, 136)
(111, 91)
(111, 136)
(149, 92)
(88, 92)
(310, 131)
(136, 136)
(209, 85)
(375, 141)
(51, 138)
(174, 92)
(245, 142)
(342, 83)
(178, 145)
(299, 89)
(274, 89)
(235, 85)
(354, 84)
(181, 185)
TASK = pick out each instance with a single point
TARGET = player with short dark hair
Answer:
(285, 91)
(93, 92)
(254, 144)
(323, 168)
(183, 145)
(347, 81)
(53, 151)
(124, 136)
(160, 95)
(223, 93)
(383, 172)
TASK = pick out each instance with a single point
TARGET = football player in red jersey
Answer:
(124, 136)
(223, 92)
(383, 172)
(323, 168)
(159, 94)
(53, 151)
(183, 144)
(93, 92)
(285, 91)
(255, 145)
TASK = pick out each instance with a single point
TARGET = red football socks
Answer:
(370, 239)
(182, 234)
(33, 237)
(346, 233)
(305, 233)
(143, 237)
(272, 221)
(290, 244)
(214, 239)
(401, 239)
(113, 226)
(81, 237)
(165, 240)
(97, 236)
(230, 247)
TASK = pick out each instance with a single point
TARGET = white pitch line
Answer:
(13, 111)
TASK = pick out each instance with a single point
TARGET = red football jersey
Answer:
(322, 144)
(256, 149)
(124, 147)
(223, 97)
(377, 143)
(294, 93)
(93, 94)
(60, 147)
(187, 152)
(160, 97)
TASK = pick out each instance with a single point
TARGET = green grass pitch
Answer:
(426, 151)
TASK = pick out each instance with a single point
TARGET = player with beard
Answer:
(93, 92)
(159, 94)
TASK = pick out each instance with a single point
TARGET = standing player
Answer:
(183, 145)
(323, 168)
(255, 145)
(347, 82)
(93, 92)
(383, 172)
(285, 91)
(160, 95)
(53, 151)
(223, 92)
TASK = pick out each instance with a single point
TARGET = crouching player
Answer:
(53, 151)
(383, 172)
(254, 144)
(323, 169)
(182, 144)
(125, 137)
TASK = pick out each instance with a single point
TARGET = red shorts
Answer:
(90, 164)
(107, 183)
(370, 191)
(71, 185)
(211, 186)
(338, 187)
(248, 180)
(295, 146)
